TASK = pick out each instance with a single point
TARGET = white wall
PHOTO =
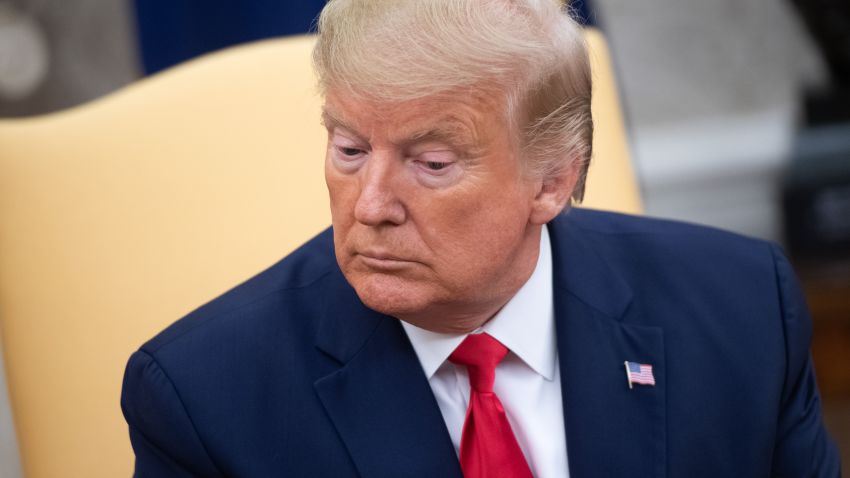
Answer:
(711, 90)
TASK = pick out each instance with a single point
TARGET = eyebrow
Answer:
(450, 131)
(330, 121)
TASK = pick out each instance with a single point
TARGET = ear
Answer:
(553, 195)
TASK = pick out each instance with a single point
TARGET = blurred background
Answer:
(738, 114)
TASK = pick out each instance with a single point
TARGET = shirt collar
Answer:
(525, 325)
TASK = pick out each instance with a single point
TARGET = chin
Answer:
(389, 294)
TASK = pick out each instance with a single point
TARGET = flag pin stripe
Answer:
(639, 373)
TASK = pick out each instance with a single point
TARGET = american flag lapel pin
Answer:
(639, 373)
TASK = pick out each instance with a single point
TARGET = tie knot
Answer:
(480, 353)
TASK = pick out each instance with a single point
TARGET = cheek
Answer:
(478, 233)
(341, 218)
(342, 192)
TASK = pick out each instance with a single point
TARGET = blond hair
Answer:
(528, 50)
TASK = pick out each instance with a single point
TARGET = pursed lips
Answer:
(384, 256)
(382, 260)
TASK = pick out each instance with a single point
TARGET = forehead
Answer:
(470, 117)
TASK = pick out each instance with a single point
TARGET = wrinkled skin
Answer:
(434, 221)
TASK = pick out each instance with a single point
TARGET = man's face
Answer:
(432, 214)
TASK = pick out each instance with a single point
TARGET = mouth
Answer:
(382, 260)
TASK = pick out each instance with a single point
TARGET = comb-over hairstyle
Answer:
(529, 51)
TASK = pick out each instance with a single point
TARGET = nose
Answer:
(378, 203)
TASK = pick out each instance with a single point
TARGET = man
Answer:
(457, 319)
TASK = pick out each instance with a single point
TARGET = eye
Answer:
(349, 151)
(345, 148)
(435, 165)
(347, 154)
(434, 168)
(435, 162)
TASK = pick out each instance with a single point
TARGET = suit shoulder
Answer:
(670, 233)
(671, 250)
(300, 270)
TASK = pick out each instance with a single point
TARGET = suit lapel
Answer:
(381, 404)
(379, 400)
(611, 430)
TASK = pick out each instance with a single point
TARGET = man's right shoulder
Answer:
(291, 281)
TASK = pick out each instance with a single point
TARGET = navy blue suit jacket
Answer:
(289, 374)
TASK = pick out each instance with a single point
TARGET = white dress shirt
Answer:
(528, 381)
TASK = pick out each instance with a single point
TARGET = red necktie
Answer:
(488, 448)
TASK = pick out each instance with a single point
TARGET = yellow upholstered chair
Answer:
(120, 216)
